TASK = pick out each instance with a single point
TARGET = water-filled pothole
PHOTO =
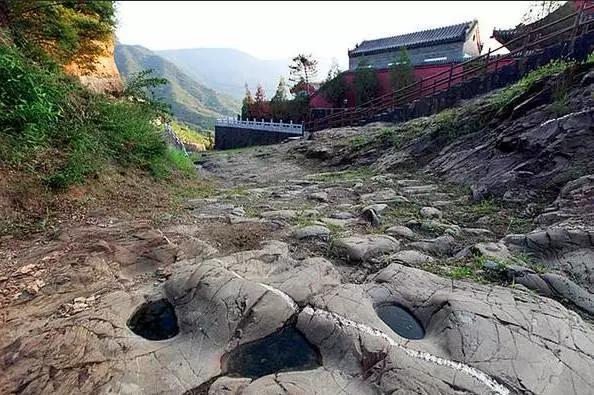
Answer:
(284, 350)
(400, 321)
(155, 321)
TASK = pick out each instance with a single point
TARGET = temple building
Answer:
(448, 44)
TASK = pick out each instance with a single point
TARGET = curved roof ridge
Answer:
(418, 38)
(419, 31)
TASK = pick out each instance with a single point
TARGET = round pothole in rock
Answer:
(284, 350)
(400, 321)
(155, 321)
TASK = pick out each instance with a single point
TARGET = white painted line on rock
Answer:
(461, 367)
(283, 295)
(276, 291)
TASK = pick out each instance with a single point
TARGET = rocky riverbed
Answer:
(295, 277)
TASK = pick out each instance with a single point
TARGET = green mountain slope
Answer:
(190, 101)
(227, 70)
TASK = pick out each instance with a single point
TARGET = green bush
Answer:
(508, 94)
(366, 84)
(51, 126)
(190, 135)
(401, 70)
(334, 90)
(162, 166)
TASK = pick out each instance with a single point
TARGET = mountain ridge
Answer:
(227, 70)
(190, 101)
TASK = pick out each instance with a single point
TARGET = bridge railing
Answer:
(282, 127)
(172, 139)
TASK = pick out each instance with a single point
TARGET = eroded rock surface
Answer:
(256, 264)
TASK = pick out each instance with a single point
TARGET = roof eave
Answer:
(354, 52)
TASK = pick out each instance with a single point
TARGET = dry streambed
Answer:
(297, 280)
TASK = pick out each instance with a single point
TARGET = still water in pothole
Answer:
(284, 350)
(400, 321)
(155, 321)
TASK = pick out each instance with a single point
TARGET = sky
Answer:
(280, 30)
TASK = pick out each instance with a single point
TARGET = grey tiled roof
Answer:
(422, 38)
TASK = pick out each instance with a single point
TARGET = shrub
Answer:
(401, 70)
(191, 136)
(54, 128)
(508, 94)
(161, 167)
(366, 84)
(334, 90)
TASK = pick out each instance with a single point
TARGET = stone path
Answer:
(285, 243)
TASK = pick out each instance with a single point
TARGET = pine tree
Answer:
(260, 94)
(540, 9)
(260, 103)
(303, 69)
(280, 101)
(281, 91)
(334, 70)
(247, 104)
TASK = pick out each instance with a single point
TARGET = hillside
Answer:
(227, 70)
(190, 101)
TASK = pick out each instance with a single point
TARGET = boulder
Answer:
(571, 291)
(312, 231)
(494, 251)
(378, 208)
(430, 212)
(382, 196)
(319, 196)
(279, 214)
(410, 258)
(342, 215)
(528, 278)
(442, 245)
(401, 231)
(370, 215)
(362, 248)
(228, 386)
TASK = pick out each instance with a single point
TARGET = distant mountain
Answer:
(227, 70)
(190, 101)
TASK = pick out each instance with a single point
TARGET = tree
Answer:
(260, 110)
(141, 86)
(334, 70)
(401, 70)
(540, 9)
(298, 108)
(247, 104)
(366, 84)
(260, 94)
(65, 31)
(279, 102)
(281, 91)
(303, 69)
(334, 87)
